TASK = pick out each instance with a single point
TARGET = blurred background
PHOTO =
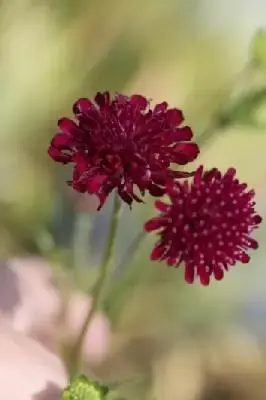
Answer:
(170, 340)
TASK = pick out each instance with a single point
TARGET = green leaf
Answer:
(84, 389)
(258, 48)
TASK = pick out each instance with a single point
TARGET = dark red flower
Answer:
(207, 225)
(123, 144)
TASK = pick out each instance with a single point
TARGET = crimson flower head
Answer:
(207, 225)
(121, 143)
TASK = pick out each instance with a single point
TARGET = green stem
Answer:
(97, 291)
(81, 240)
(129, 254)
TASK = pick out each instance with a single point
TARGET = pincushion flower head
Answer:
(121, 143)
(207, 225)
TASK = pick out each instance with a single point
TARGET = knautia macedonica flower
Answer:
(207, 225)
(121, 143)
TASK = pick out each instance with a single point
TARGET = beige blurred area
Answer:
(156, 337)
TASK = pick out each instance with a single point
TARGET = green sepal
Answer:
(84, 389)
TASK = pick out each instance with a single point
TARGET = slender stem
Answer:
(129, 253)
(81, 237)
(97, 291)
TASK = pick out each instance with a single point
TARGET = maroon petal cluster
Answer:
(121, 143)
(206, 226)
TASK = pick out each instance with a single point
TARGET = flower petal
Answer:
(67, 126)
(174, 117)
(59, 156)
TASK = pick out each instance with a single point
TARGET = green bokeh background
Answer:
(199, 56)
